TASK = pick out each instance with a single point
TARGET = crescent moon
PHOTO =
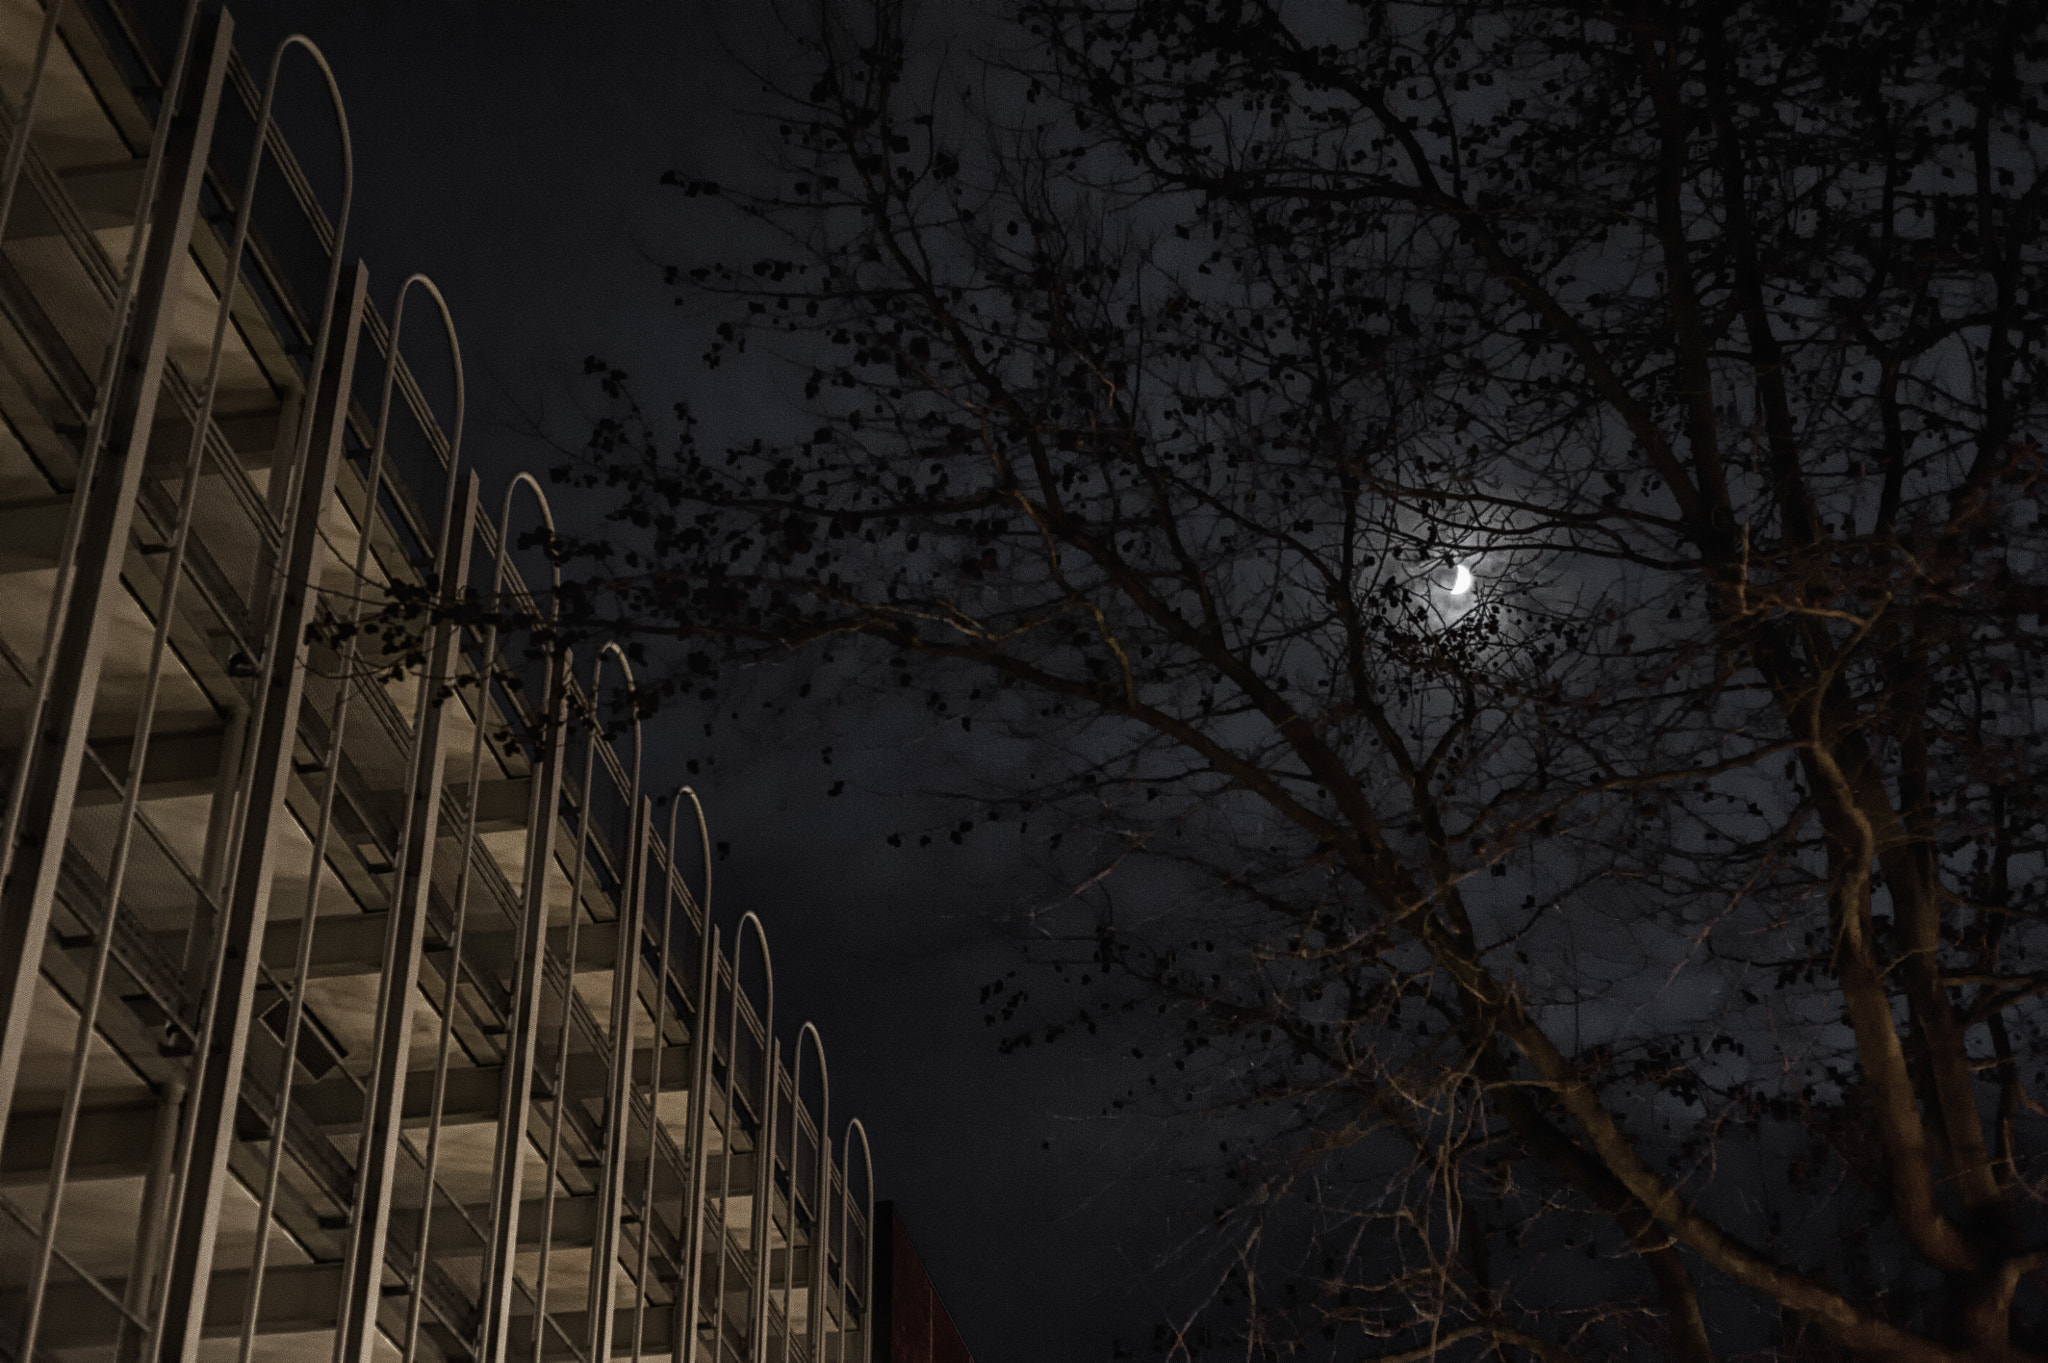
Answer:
(1461, 581)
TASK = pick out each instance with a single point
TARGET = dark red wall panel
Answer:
(911, 1322)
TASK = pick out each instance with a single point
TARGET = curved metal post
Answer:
(644, 1263)
(762, 1232)
(451, 985)
(559, 1081)
(684, 1345)
(867, 1258)
(265, 127)
(604, 1250)
(145, 710)
(114, 451)
(814, 1313)
(498, 1275)
(195, 458)
(355, 1337)
(732, 1065)
(237, 956)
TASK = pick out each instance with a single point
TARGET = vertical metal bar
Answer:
(451, 999)
(684, 1346)
(763, 1229)
(821, 1226)
(221, 817)
(499, 1274)
(157, 1184)
(812, 1313)
(646, 1213)
(732, 1067)
(867, 1258)
(285, 494)
(586, 827)
(224, 1038)
(145, 712)
(273, 1168)
(379, 1147)
(451, 993)
(324, 821)
(46, 783)
(845, 1234)
(377, 1154)
(558, 1081)
(516, 1100)
(725, 1124)
(56, 1182)
(109, 392)
(25, 117)
(604, 1250)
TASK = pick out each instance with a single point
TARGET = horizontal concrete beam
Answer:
(654, 1333)
(173, 765)
(473, 1094)
(300, 1299)
(451, 1238)
(296, 1298)
(114, 1141)
(253, 436)
(353, 944)
(105, 193)
(32, 533)
(501, 804)
(108, 1142)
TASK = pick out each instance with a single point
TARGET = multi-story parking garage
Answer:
(358, 998)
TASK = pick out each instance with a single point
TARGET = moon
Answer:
(1461, 581)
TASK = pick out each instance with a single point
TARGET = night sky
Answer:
(513, 152)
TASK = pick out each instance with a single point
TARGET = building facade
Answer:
(912, 1324)
(359, 1000)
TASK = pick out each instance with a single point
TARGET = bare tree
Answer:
(1535, 504)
